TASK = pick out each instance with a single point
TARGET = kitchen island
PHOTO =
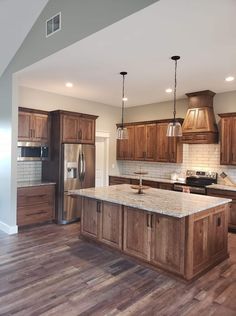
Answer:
(185, 234)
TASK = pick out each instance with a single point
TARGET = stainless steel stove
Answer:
(196, 181)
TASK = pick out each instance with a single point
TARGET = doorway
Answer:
(102, 159)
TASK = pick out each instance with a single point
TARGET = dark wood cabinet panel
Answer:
(111, 224)
(137, 233)
(227, 195)
(76, 129)
(89, 217)
(24, 129)
(140, 142)
(218, 242)
(228, 139)
(125, 147)
(150, 142)
(167, 242)
(118, 180)
(35, 205)
(33, 126)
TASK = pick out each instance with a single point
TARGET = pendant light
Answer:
(122, 132)
(174, 128)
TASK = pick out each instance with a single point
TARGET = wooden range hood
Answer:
(199, 125)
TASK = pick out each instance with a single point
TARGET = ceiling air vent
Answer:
(53, 24)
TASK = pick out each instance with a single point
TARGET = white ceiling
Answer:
(16, 19)
(202, 32)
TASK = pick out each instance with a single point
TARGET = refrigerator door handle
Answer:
(84, 166)
(80, 167)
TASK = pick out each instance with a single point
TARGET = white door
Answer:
(101, 162)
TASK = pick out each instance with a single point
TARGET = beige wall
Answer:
(106, 122)
(223, 102)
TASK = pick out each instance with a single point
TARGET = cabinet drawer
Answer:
(35, 195)
(34, 214)
(118, 180)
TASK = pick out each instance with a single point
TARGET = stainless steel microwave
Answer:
(32, 151)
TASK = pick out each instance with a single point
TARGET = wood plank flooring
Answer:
(48, 270)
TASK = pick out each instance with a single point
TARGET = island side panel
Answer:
(206, 240)
(90, 217)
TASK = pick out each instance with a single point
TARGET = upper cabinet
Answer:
(147, 141)
(33, 125)
(228, 139)
(199, 125)
(168, 149)
(72, 127)
(125, 147)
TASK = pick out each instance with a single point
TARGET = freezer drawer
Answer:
(72, 208)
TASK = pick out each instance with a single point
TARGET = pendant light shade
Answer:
(122, 132)
(174, 128)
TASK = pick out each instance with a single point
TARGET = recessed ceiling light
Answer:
(230, 78)
(169, 90)
(69, 84)
(125, 99)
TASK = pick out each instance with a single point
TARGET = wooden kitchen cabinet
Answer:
(167, 242)
(78, 129)
(113, 180)
(228, 195)
(90, 217)
(228, 139)
(102, 221)
(33, 126)
(35, 205)
(137, 233)
(111, 224)
(145, 142)
(168, 149)
(125, 147)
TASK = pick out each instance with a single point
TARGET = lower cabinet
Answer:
(167, 242)
(137, 233)
(227, 194)
(102, 221)
(35, 205)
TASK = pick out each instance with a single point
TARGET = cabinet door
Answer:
(86, 130)
(189, 122)
(125, 147)
(218, 233)
(167, 242)
(150, 142)
(162, 143)
(137, 233)
(233, 141)
(232, 215)
(24, 127)
(70, 129)
(140, 142)
(111, 224)
(90, 217)
(40, 127)
(225, 141)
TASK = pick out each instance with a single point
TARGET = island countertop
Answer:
(171, 203)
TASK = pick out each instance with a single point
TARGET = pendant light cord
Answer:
(175, 91)
(123, 102)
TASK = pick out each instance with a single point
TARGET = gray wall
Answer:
(79, 19)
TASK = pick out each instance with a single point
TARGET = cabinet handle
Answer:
(148, 220)
(99, 207)
(30, 133)
(218, 221)
(151, 220)
(80, 134)
(36, 213)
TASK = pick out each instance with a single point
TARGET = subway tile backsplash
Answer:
(196, 157)
(29, 170)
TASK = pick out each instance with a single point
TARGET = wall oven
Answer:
(32, 151)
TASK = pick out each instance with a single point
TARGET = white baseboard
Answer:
(10, 230)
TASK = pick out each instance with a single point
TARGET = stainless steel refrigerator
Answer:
(78, 163)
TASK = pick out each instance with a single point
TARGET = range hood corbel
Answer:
(199, 125)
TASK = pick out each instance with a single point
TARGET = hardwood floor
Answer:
(49, 271)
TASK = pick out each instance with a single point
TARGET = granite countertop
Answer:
(175, 204)
(222, 187)
(149, 178)
(25, 184)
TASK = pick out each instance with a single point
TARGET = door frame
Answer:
(106, 137)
